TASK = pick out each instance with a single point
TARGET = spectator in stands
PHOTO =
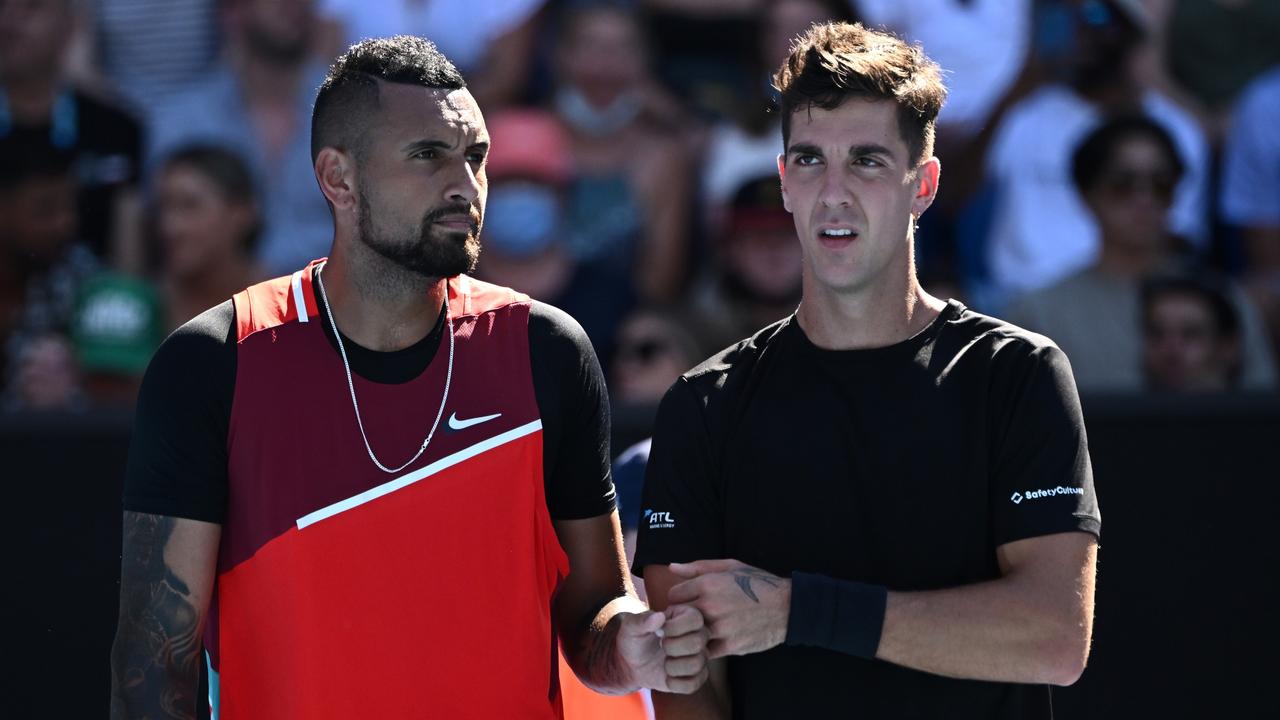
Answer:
(207, 223)
(629, 204)
(980, 44)
(1191, 335)
(703, 51)
(491, 42)
(1251, 192)
(117, 326)
(39, 106)
(258, 103)
(746, 145)
(1204, 53)
(148, 50)
(754, 279)
(42, 269)
(1126, 171)
(1041, 230)
(530, 169)
(654, 347)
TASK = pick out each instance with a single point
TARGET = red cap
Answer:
(529, 144)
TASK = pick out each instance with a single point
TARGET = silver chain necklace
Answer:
(448, 378)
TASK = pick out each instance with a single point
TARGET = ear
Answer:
(335, 171)
(782, 180)
(926, 185)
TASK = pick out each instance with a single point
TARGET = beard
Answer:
(429, 252)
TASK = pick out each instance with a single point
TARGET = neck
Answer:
(876, 318)
(31, 98)
(378, 304)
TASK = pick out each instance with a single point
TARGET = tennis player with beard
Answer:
(378, 487)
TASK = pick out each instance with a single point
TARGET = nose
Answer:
(834, 191)
(464, 184)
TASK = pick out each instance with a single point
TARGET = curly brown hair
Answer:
(835, 61)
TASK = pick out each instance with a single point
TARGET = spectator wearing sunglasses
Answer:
(1126, 172)
(1041, 232)
(654, 347)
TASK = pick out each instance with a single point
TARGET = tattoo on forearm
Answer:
(744, 578)
(155, 659)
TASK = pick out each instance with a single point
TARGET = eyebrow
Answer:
(870, 149)
(855, 151)
(417, 145)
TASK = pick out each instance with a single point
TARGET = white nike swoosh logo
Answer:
(456, 424)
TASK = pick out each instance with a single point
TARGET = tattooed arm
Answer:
(746, 608)
(613, 642)
(166, 579)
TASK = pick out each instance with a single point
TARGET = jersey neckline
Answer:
(394, 367)
(909, 346)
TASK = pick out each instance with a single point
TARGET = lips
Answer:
(456, 222)
(837, 236)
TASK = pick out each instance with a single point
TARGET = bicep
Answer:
(574, 405)
(178, 552)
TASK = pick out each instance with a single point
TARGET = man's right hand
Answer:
(666, 651)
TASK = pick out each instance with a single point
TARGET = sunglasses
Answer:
(644, 350)
(1126, 184)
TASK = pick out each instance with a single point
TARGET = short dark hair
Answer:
(228, 172)
(1208, 289)
(349, 92)
(222, 165)
(1094, 154)
(835, 61)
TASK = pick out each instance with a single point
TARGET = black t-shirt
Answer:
(178, 454)
(904, 466)
(107, 144)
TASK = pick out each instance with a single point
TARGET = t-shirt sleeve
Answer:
(1042, 480)
(178, 452)
(574, 404)
(680, 507)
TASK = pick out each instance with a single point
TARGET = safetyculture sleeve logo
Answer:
(1018, 497)
(659, 520)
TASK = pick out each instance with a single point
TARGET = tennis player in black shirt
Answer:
(883, 504)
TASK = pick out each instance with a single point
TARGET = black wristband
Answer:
(841, 615)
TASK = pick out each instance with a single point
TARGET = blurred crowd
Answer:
(1109, 178)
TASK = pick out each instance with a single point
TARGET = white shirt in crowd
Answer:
(462, 29)
(980, 45)
(1251, 167)
(1041, 230)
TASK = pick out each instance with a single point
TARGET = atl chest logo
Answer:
(659, 520)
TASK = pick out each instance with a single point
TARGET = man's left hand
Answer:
(745, 608)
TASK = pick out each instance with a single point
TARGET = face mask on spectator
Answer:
(587, 118)
(521, 219)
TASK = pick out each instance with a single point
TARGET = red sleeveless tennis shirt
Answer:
(344, 591)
